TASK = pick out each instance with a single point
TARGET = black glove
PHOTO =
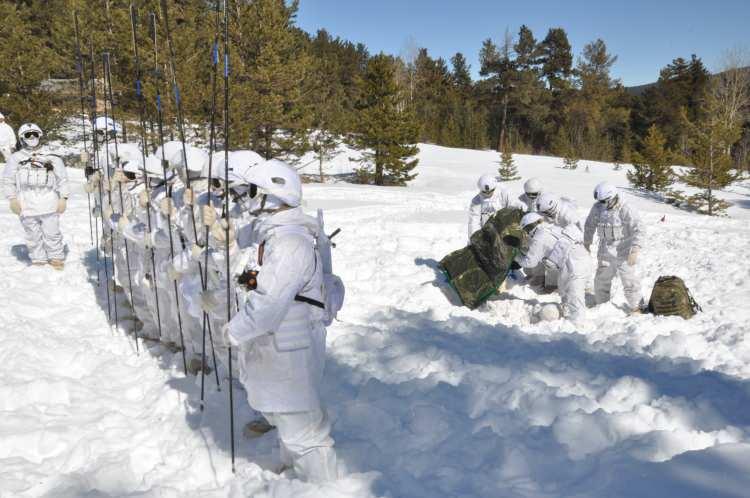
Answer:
(514, 265)
(248, 279)
(88, 171)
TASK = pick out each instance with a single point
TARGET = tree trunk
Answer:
(378, 168)
(501, 139)
(320, 164)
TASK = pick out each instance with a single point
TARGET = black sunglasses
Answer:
(30, 134)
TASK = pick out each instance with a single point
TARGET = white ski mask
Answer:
(265, 204)
(32, 142)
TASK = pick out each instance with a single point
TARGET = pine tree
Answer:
(273, 72)
(508, 170)
(386, 129)
(711, 140)
(21, 97)
(651, 167)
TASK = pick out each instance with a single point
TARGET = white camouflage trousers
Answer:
(607, 269)
(306, 444)
(571, 283)
(43, 237)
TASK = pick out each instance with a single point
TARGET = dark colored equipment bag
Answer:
(671, 297)
(477, 271)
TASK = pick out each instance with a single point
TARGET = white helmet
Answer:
(487, 184)
(606, 193)
(532, 187)
(131, 158)
(29, 135)
(197, 161)
(547, 204)
(278, 179)
(240, 164)
(155, 170)
(530, 221)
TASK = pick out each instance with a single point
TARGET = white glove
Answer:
(15, 206)
(219, 232)
(122, 223)
(173, 273)
(209, 301)
(196, 252)
(143, 199)
(107, 213)
(633, 255)
(84, 157)
(89, 188)
(62, 204)
(208, 213)
(166, 206)
(188, 196)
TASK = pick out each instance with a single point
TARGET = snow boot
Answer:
(257, 428)
(195, 366)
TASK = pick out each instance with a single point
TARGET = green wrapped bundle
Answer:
(467, 278)
(478, 270)
(493, 253)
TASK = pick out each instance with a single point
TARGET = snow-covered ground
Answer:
(428, 398)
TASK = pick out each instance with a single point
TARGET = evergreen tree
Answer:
(557, 59)
(712, 166)
(386, 130)
(461, 73)
(21, 97)
(272, 75)
(508, 170)
(651, 167)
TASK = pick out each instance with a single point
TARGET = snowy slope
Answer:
(428, 398)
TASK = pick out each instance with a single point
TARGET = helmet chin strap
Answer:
(267, 204)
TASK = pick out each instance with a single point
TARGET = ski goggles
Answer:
(488, 193)
(532, 195)
(130, 175)
(31, 134)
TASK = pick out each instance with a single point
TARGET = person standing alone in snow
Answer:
(36, 184)
(490, 199)
(280, 329)
(621, 235)
(7, 139)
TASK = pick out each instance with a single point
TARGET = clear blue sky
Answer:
(645, 35)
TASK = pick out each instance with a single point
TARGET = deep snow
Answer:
(428, 398)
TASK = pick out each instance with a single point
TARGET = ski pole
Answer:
(226, 206)
(99, 168)
(144, 147)
(108, 93)
(167, 190)
(79, 70)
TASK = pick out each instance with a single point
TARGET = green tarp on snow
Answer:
(478, 270)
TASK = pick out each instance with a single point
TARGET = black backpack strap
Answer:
(310, 301)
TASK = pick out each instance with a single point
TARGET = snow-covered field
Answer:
(429, 399)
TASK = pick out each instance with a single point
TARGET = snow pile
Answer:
(428, 398)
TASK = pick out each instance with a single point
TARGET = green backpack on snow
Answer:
(671, 297)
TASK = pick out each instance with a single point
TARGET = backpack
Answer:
(670, 297)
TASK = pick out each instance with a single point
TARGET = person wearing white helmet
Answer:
(36, 184)
(560, 249)
(7, 139)
(559, 211)
(621, 235)
(532, 189)
(280, 328)
(491, 198)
